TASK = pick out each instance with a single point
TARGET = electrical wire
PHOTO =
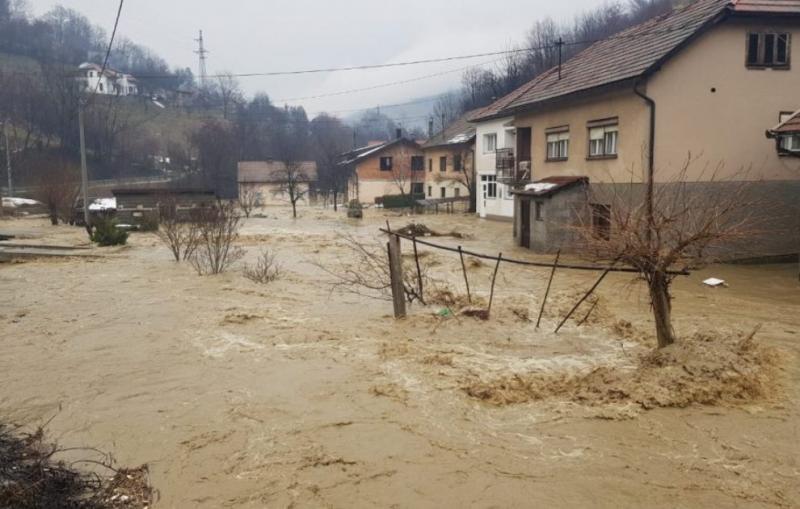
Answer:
(110, 46)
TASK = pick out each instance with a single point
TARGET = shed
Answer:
(546, 211)
(139, 206)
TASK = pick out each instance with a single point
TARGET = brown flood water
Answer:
(289, 395)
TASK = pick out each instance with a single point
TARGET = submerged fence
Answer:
(394, 249)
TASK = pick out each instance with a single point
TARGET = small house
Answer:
(392, 168)
(271, 180)
(450, 162)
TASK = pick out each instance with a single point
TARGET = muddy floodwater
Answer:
(294, 395)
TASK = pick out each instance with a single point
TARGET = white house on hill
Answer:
(108, 82)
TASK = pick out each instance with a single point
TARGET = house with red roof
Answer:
(702, 84)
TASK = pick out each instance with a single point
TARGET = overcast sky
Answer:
(246, 36)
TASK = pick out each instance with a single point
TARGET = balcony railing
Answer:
(517, 175)
(505, 159)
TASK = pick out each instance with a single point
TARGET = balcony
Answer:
(504, 158)
(517, 175)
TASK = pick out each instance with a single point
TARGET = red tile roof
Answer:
(630, 54)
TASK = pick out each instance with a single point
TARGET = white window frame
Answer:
(791, 143)
(558, 146)
(489, 187)
(603, 141)
(489, 143)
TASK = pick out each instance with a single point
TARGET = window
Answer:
(538, 211)
(386, 164)
(791, 143)
(430, 164)
(768, 49)
(603, 140)
(489, 143)
(417, 163)
(417, 189)
(101, 87)
(489, 186)
(430, 191)
(443, 163)
(443, 192)
(457, 163)
(91, 74)
(457, 192)
(558, 145)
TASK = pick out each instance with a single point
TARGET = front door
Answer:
(525, 223)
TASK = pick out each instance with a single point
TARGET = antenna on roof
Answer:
(560, 44)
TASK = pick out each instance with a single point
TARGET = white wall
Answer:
(502, 206)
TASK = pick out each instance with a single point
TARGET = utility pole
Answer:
(84, 170)
(8, 160)
(202, 51)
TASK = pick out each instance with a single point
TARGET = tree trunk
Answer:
(52, 211)
(662, 309)
(294, 209)
(335, 201)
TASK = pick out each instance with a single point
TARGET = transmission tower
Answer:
(202, 51)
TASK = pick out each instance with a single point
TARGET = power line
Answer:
(438, 60)
(384, 85)
(110, 45)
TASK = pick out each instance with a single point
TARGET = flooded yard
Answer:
(293, 394)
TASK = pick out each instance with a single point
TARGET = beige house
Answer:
(392, 168)
(269, 179)
(707, 80)
(450, 162)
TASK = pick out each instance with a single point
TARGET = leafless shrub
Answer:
(31, 476)
(57, 183)
(266, 270)
(366, 272)
(217, 230)
(181, 235)
(249, 200)
(680, 227)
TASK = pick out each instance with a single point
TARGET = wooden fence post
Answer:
(547, 292)
(494, 280)
(464, 269)
(419, 273)
(586, 296)
(396, 274)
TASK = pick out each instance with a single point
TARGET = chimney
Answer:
(399, 133)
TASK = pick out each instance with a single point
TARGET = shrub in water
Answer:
(106, 233)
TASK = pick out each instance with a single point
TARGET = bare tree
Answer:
(181, 235)
(464, 173)
(330, 139)
(230, 93)
(403, 173)
(295, 183)
(57, 183)
(684, 226)
(249, 200)
(218, 228)
(266, 270)
(366, 272)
